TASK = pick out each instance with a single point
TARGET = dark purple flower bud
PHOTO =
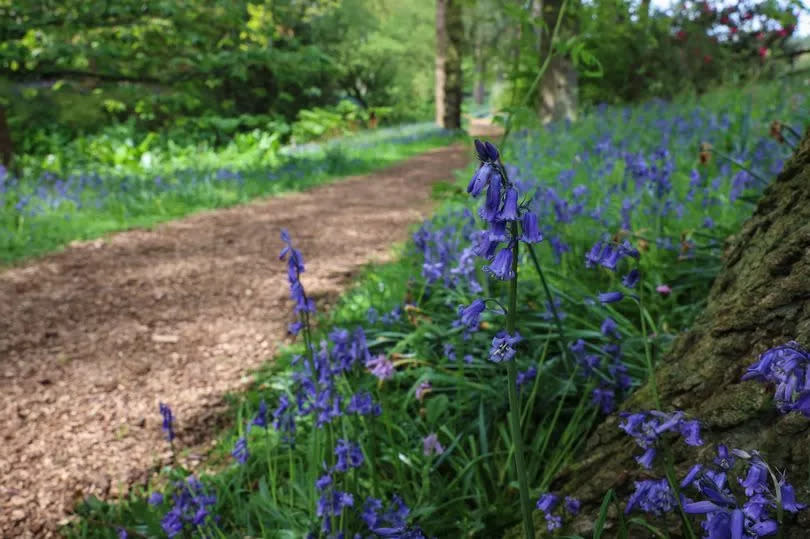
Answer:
(531, 232)
(481, 150)
(492, 151)
(509, 212)
(610, 297)
(501, 267)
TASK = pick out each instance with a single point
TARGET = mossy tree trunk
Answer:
(760, 299)
(449, 41)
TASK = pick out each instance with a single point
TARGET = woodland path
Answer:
(94, 337)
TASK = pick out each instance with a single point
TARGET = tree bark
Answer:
(479, 91)
(6, 147)
(449, 41)
(760, 299)
(557, 92)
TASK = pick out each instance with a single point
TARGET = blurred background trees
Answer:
(309, 69)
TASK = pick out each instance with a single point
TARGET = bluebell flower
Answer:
(572, 505)
(481, 178)
(240, 451)
(471, 314)
(509, 212)
(501, 267)
(631, 279)
(449, 351)
(348, 455)
(547, 502)
(156, 498)
(787, 367)
(652, 496)
(431, 445)
(503, 346)
(362, 403)
(489, 211)
(261, 416)
(381, 367)
(531, 232)
(609, 329)
(610, 297)
(604, 397)
(524, 377)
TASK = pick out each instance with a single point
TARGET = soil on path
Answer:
(93, 338)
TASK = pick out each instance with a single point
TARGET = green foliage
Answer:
(208, 69)
(117, 179)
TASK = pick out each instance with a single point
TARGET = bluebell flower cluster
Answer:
(548, 503)
(391, 521)
(295, 267)
(788, 368)
(448, 260)
(192, 509)
(653, 496)
(647, 428)
(168, 421)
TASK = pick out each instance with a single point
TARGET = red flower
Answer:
(763, 51)
(733, 30)
(707, 59)
(681, 35)
(782, 32)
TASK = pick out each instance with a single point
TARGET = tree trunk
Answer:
(441, 57)
(479, 91)
(6, 147)
(449, 40)
(557, 92)
(760, 299)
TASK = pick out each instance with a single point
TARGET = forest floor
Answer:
(94, 337)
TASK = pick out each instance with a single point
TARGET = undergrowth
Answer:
(388, 415)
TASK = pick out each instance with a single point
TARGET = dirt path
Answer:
(91, 339)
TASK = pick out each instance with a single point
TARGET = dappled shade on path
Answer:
(93, 338)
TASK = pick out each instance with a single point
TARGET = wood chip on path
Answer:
(94, 337)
